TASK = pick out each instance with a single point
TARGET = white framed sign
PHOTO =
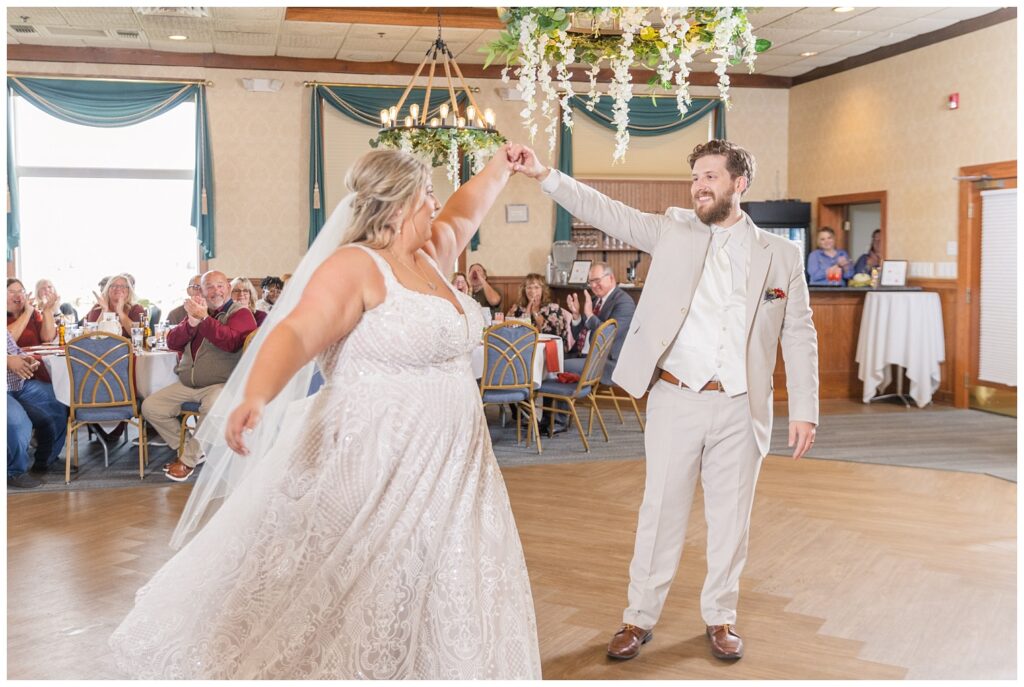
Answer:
(894, 273)
(517, 213)
(580, 272)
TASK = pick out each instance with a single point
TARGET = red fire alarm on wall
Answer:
(954, 101)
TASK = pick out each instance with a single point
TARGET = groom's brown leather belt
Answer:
(713, 385)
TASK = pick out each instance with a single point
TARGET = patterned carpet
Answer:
(939, 438)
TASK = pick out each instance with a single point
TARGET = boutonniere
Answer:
(773, 294)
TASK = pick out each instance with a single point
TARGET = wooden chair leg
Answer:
(636, 409)
(600, 420)
(533, 424)
(68, 441)
(579, 425)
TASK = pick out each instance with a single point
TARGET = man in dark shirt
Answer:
(483, 293)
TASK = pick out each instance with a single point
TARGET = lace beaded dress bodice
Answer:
(374, 540)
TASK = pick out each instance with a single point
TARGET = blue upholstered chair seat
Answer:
(550, 386)
(112, 414)
(509, 396)
(190, 407)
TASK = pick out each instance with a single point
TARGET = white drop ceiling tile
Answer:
(781, 36)
(160, 27)
(489, 35)
(767, 60)
(246, 26)
(788, 70)
(812, 18)
(766, 15)
(377, 45)
(837, 37)
(429, 33)
(881, 39)
(323, 53)
(248, 13)
(798, 47)
(36, 15)
(907, 13)
(244, 38)
(372, 31)
(11, 39)
(315, 28)
(926, 25)
(471, 54)
(873, 20)
(102, 17)
(414, 57)
(236, 49)
(189, 46)
(365, 56)
(291, 40)
(961, 13)
(851, 49)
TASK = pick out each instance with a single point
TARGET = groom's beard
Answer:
(718, 211)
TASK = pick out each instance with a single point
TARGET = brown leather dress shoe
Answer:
(627, 641)
(178, 471)
(725, 643)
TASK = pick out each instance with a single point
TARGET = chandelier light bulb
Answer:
(470, 113)
(393, 113)
(408, 121)
(489, 116)
(462, 122)
(434, 121)
(444, 110)
(414, 110)
(384, 118)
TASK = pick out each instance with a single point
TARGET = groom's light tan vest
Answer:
(678, 242)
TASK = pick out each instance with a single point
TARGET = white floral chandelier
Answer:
(542, 40)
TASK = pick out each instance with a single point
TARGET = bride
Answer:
(368, 533)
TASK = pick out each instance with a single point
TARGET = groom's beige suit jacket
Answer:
(678, 243)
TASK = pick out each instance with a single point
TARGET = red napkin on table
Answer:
(551, 353)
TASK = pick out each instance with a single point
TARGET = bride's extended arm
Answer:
(338, 293)
(465, 210)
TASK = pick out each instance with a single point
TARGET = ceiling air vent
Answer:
(23, 28)
(75, 32)
(127, 35)
(192, 12)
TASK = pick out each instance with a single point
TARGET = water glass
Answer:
(137, 333)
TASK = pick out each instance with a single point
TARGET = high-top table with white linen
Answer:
(905, 329)
(539, 360)
(154, 370)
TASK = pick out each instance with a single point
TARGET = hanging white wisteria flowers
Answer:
(539, 40)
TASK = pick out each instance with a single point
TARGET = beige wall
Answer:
(260, 151)
(885, 126)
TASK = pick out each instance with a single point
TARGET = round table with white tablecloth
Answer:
(154, 370)
(901, 328)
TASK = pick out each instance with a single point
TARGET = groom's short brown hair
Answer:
(738, 161)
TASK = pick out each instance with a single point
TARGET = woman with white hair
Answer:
(370, 533)
(118, 296)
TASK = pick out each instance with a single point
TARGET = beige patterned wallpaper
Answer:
(261, 167)
(885, 126)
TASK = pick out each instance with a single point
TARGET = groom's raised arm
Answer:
(640, 229)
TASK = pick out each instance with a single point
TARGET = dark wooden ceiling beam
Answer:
(451, 17)
(45, 53)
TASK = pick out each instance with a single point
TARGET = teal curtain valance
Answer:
(90, 102)
(646, 118)
(362, 104)
(13, 223)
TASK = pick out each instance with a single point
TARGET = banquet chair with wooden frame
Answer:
(101, 368)
(608, 387)
(190, 409)
(509, 349)
(590, 377)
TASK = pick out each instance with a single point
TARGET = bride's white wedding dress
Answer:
(375, 540)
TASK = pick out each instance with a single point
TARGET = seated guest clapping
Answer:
(535, 305)
(178, 314)
(210, 340)
(828, 261)
(460, 283)
(30, 320)
(483, 293)
(244, 293)
(31, 407)
(610, 302)
(46, 293)
(118, 297)
(873, 258)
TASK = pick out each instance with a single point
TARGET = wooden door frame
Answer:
(968, 273)
(832, 212)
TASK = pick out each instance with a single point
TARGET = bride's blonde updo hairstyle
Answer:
(387, 184)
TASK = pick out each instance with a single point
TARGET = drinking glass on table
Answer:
(137, 334)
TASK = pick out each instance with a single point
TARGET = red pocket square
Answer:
(774, 294)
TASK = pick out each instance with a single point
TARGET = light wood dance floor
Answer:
(855, 571)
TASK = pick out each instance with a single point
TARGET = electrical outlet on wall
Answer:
(945, 270)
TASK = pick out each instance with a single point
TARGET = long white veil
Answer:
(224, 470)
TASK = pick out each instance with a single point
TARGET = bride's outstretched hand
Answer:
(241, 421)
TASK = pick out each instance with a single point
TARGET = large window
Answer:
(101, 201)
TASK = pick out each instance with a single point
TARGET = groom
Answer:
(719, 297)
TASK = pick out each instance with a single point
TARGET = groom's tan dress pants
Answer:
(691, 436)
